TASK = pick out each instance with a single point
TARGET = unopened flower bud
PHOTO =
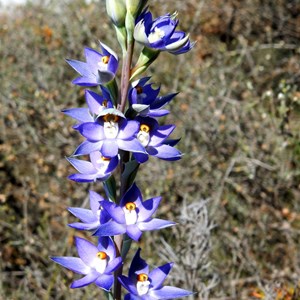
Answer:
(134, 7)
(116, 10)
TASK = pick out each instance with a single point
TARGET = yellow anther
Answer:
(144, 128)
(111, 118)
(106, 158)
(139, 89)
(105, 59)
(142, 277)
(104, 103)
(130, 206)
(101, 255)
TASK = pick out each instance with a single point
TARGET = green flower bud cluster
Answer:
(118, 9)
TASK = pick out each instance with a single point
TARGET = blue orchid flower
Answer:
(99, 68)
(144, 99)
(160, 34)
(154, 139)
(98, 168)
(132, 216)
(110, 132)
(143, 284)
(96, 263)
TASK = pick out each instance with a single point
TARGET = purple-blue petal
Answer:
(82, 166)
(95, 198)
(103, 166)
(110, 228)
(154, 224)
(128, 131)
(169, 292)
(133, 194)
(85, 215)
(94, 102)
(105, 281)
(108, 51)
(132, 145)
(106, 245)
(80, 114)
(162, 101)
(109, 148)
(138, 266)
(87, 147)
(113, 163)
(147, 209)
(81, 67)
(113, 64)
(88, 177)
(160, 134)
(156, 113)
(86, 250)
(172, 142)
(85, 226)
(74, 264)
(113, 265)
(115, 211)
(158, 275)
(133, 232)
(165, 152)
(86, 81)
(92, 56)
(140, 157)
(92, 131)
(128, 284)
(86, 280)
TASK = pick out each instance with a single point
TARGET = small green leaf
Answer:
(110, 188)
(126, 246)
(129, 173)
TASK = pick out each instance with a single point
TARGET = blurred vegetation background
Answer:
(236, 191)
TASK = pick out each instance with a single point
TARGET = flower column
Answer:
(122, 130)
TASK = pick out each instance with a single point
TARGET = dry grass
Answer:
(238, 114)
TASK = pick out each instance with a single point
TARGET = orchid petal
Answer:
(169, 292)
(154, 224)
(105, 281)
(86, 280)
(74, 264)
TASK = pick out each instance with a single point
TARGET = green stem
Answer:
(118, 239)
(109, 295)
(126, 73)
(125, 79)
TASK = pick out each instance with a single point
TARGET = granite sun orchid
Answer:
(132, 216)
(99, 68)
(160, 34)
(96, 263)
(153, 137)
(98, 168)
(144, 99)
(91, 218)
(109, 133)
(143, 284)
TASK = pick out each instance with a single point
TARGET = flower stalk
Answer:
(121, 130)
(126, 73)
